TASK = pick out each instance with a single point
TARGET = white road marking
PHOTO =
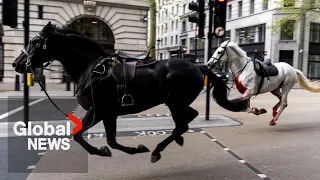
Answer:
(226, 149)
(242, 161)
(213, 140)
(31, 167)
(2, 116)
(262, 175)
(41, 153)
(202, 132)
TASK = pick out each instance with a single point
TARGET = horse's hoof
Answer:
(104, 151)
(272, 123)
(142, 148)
(180, 141)
(155, 157)
(263, 111)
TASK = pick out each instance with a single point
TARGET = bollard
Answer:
(17, 83)
(68, 88)
(43, 82)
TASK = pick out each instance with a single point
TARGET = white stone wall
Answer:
(124, 17)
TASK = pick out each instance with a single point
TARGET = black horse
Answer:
(100, 78)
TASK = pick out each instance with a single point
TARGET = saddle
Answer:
(124, 72)
(264, 69)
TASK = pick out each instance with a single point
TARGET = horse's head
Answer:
(220, 55)
(36, 53)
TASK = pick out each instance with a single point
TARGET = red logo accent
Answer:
(77, 121)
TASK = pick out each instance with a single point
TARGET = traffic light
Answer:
(198, 16)
(10, 13)
(220, 13)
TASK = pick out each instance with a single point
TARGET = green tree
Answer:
(153, 27)
(156, 6)
(295, 11)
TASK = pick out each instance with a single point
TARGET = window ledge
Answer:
(287, 40)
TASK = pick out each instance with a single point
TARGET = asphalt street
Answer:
(249, 150)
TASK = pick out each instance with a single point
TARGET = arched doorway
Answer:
(96, 30)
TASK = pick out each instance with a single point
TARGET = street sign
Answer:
(219, 31)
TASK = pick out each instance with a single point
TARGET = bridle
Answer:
(43, 43)
(225, 51)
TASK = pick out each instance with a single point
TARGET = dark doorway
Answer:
(286, 56)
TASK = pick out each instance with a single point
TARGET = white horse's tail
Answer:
(305, 83)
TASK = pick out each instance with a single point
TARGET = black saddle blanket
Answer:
(265, 69)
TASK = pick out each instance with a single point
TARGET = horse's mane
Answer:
(73, 33)
(234, 46)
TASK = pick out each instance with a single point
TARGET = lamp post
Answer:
(158, 41)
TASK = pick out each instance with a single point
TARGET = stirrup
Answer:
(127, 100)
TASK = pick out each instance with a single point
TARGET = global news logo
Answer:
(47, 136)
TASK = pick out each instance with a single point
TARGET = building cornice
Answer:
(132, 4)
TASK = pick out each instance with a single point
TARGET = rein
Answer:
(28, 65)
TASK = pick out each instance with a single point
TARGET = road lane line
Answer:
(2, 116)
(255, 170)
(31, 167)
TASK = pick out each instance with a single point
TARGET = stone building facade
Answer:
(115, 24)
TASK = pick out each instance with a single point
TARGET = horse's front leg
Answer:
(88, 121)
(110, 125)
(247, 95)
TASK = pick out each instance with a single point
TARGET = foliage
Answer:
(294, 11)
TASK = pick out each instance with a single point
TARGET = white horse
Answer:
(250, 82)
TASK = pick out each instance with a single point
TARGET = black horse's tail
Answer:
(220, 90)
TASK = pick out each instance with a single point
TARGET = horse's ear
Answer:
(47, 28)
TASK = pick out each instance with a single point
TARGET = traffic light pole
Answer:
(211, 4)
(196, 43)
(26, 41)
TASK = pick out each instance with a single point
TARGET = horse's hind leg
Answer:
(182, 116)
(88, 121)
(283, 102)
(277, 93)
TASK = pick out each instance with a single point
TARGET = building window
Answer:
(165, 41)
(287, 30)
(240, 9)
(184, 27)
(165, 28)
(171, 42)
(251, 6)
(288, 3)
(314, 32)
(229, 11)
(184, 9)
(177, 39)
(286, 56)
(172, 25)
(177, 24)
(40, 12)
(177, 8)
(183, 42)
(251, 34)
(265, 4)
(314, 67)
(261, 32)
